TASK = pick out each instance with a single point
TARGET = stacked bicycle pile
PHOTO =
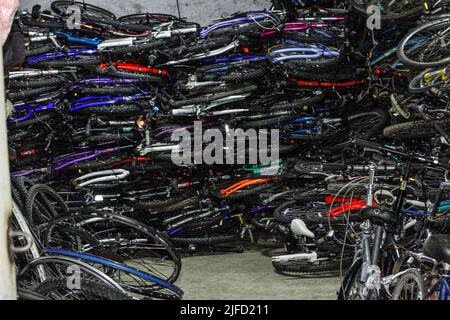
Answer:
(97, 102)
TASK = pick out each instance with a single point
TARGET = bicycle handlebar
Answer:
(392, 150)
(360, 168)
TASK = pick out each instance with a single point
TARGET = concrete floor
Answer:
(248, 275)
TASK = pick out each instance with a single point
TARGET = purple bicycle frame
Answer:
(223, 24)
(71, 158)
(30, 111)
(105, 100)
(295, 26)
(52, 55)
(106, 80)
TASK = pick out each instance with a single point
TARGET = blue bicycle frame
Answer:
(87, 41)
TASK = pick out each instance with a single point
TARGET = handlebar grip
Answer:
(334, 166)
(366, 144)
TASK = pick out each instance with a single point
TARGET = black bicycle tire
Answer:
(420, 129)
(404, 277)
(96, 287)
(34, 120)
(420, 65)
(209, 240)
(111, 109)
(24, 94)
(69, 63)
(39, 50)
(54, 6)
(111, 91)
(52, 82)
(33, 193)
(311, 268)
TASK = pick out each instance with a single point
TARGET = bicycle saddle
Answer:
(299, 228)
(437, 246)
(379, 215)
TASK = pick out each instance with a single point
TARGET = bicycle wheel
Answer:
(321, 266)
(120, 239)
(60, 7)
(390, 10)
(415, 129)
(427, 45)
(410, 286)
(427, 79)
(148, 18)
(60, 289)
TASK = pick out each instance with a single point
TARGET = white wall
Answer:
(201, 11)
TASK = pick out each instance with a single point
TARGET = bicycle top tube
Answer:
(105, 100)
(106, 80)
(234, 59)
(29, 172)
(205, 32)
(304, 119)
(87, 156)
(71, 38)
(70, 155)
(295, 26)
(52, 55)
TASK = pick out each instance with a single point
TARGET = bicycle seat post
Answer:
(370, 190)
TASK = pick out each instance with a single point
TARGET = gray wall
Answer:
(201, 11)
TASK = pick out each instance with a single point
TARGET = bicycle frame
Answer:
(30, 111)
(96, 101)
(54, 55)
(302, 52)
(250, 18)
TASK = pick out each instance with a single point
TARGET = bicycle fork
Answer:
(370, 271)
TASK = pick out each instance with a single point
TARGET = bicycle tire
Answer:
(69, 63)
(120, 24)
(44, 24)
(35, 120)
(401, 13)
(24, 94)
(401, 48)
(27, 84)
(415, 276)
(98, 289)
(415, 85)
(166, 206)
(111, 91)
(297, 268)
(163, 17)
(60, 7)
(207, 241)
(243, 75)
(33, 192)
(112, 109)
(85, 220)
(420, 129)
(39, 50)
